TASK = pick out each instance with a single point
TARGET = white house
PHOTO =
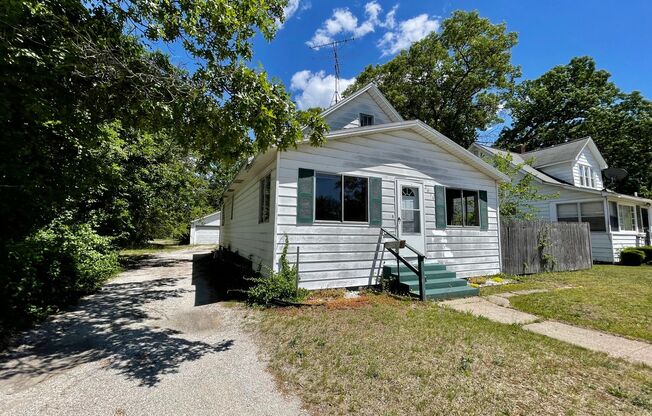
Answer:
(376, 173)
(572, 174)
(206, 230)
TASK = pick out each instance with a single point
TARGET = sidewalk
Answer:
(497, 308)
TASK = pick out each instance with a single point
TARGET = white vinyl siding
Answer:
(586, 160)
(349, 115)
(339, 255)
(560, 171)
(243, 233)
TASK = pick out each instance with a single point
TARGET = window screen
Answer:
(593, 213)
(626, 218)
(264, 199)
(567, 213)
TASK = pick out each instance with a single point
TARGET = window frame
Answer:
(363, 115)
(264, 181)
(578, 206)
(464, 214)
(587, 177)
(634, 223)
(341, 220)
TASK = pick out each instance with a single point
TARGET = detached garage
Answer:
(206, 230)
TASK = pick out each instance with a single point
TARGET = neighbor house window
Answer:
(626, 218)
(232, 204)
(591, 212)
(586, 176)
(567, 213)
(462, 208)
(366, 120)
(645, 220)
(613, 216)
(264, 198)
(341, 198)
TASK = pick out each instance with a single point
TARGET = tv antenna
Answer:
(334, 45)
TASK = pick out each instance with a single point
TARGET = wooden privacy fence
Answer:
(539, 246)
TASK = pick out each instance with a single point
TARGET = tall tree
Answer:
(452, 80)
(578, 100)
(550, 109)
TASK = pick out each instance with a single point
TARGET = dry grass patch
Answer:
(394, 356)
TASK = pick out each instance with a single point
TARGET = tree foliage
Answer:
(102, 134)
(577, 100)
(517, 196)
(453, 80)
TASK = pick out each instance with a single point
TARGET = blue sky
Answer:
(617, 34)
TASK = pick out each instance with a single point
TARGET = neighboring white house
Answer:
(572, 172)
(375, 170)
(206, 230)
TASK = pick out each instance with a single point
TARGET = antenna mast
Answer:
(336, 95)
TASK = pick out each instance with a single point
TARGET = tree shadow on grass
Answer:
(109, 328)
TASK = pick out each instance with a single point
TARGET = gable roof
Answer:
(378, 97)
(431, 135)
(517, 159)
(565, 152)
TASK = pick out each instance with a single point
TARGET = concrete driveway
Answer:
(152, 342)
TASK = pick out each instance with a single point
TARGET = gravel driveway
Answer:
(152, 342)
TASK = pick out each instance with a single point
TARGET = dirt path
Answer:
(152, 342)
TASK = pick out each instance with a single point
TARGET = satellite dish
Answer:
(615, 174)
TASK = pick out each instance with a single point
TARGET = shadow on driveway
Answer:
(110, 328)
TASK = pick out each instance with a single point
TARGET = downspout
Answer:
(275, 228)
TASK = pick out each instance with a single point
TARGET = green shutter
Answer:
(305, 196)
(440, 207)
(376, 202)
(484, 215)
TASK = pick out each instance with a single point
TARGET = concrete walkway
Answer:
(152, 342)
(497, 308)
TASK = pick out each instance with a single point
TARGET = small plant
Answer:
(548, 261)
(632, 256)
(648, 253)
(281, 285)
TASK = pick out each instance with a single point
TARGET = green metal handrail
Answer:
(418, 270)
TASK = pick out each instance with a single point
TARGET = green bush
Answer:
(281, 285)
(50, 269)
(648, 253)
(631, 256)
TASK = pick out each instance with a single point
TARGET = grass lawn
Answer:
(153, 247)
(616, 299)
(382, 356)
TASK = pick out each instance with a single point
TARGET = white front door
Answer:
(410, 216)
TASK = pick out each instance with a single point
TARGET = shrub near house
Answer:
(635, 256)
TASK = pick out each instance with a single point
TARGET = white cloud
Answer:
(315, 89)
(408, 32)
(344, 22)
(291, 8)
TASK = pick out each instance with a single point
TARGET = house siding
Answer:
(243, 233)
(340, 255)
(547, 209)
(560, 171)
(349, 115)
(586, 158)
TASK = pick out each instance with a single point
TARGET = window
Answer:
(264, 198)
(410, 210)
(645, 220)
(232, 204)
(334, 202)
(613, 216)
(626, 218)
(366, 120)
(591, 212)
(355, 199)
(586, 176)
(567, 213)
(462, 208)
